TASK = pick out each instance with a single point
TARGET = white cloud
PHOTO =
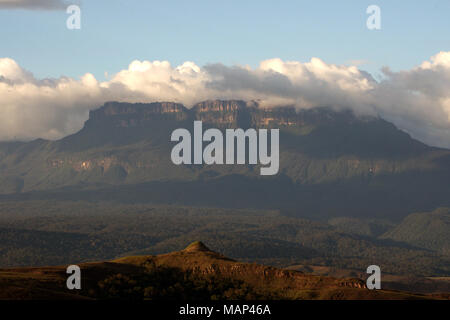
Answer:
(416, 100)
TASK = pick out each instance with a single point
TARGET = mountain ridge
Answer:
(322, 151)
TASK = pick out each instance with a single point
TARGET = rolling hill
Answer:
(430, 230)
(195, 273)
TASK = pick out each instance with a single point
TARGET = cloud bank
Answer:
(416, 100)
(33, 4)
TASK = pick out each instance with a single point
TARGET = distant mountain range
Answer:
(332, 163)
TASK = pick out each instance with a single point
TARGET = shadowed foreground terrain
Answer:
(195, 273)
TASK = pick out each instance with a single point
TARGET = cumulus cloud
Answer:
(33, 4)
(416, 100)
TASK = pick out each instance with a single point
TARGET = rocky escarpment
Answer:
(359, 146)
(221, 113)
(124, 144)
(137, 114)
(199, 259)
(218, 113)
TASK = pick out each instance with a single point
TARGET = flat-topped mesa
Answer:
(134, 114)
(216, 113)
(122, 109)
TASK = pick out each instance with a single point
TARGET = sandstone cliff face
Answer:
(276, 117)
(105, 163)
(218, 113)
(132, 115)
(270, 274)
(219, 106)
(222, 114)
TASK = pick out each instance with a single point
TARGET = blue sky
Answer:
(114, 33)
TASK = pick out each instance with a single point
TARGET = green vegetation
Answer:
(345, 186)
(430, 230)
(58, 233)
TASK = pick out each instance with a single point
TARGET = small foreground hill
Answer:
(195, 273)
